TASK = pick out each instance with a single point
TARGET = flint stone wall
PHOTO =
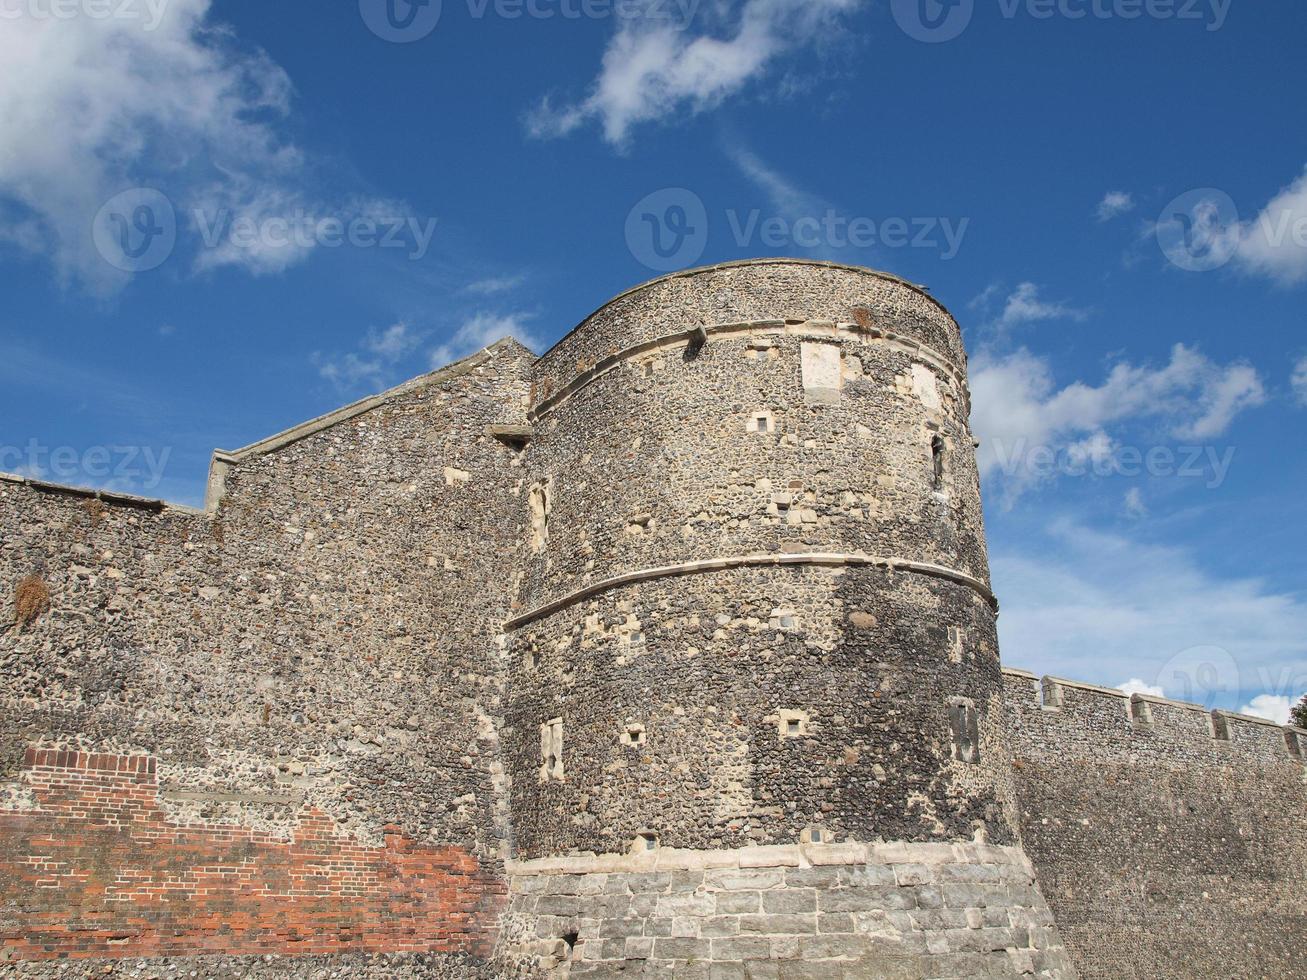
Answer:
(1167, 846)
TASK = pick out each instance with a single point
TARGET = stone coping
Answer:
(824, 559)
(813, 329)
(745, 263)
(772, 856)
(105, 496)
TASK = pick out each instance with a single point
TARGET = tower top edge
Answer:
(921, 290)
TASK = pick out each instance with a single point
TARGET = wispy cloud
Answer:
(480, 331)
(1134, 503)
(494, 285)
(374, 365)
(1298, 381)
(1083, 603)
(1113, 205)
(653, 69)
(1026, 305)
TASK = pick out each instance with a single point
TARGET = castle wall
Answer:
(270, 729)
(1170, 843)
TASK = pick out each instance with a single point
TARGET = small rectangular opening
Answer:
(792, 727)
(1293, 743)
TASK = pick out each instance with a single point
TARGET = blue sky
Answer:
(220, 218)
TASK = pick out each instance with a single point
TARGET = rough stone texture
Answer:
(1163, 850)
(310, 668)
(877, 912)
(706, 579)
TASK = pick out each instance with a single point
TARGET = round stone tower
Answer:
(755, 630)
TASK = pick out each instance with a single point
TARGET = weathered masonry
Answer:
(669, 652)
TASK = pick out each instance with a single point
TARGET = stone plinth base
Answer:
(883, 911)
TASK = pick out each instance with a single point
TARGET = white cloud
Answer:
(91, 106)
(653, 68)
(1136, 686)
(1024, 305)
(480, 331)
(1018, 409)
(495, 285)
(1274, 244)
(374, 367)
(1299, 381)
(1272, 707)
(1114, 204)
(1081, 603)
(1134, 503)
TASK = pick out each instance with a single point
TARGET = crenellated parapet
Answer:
(1106, 720)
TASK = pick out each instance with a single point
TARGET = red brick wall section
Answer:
(98, 871)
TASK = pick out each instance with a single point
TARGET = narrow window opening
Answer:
(792, 727)
(937, 459)
(1293, 744)
(539, 516)
(816, 835)
(964, 721)
(551, 750)
(764, 423)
